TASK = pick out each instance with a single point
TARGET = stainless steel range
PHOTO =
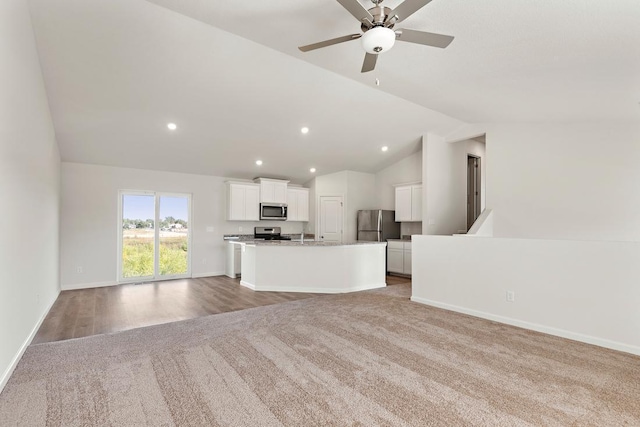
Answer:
(269, 233)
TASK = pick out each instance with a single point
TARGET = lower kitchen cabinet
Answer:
(399, 257)
(234, 257)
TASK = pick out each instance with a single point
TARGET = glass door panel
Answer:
(173, 220)
(138, 236)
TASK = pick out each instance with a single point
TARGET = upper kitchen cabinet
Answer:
(298, 204)
(243, 201)
(409, 203)
(272, 190)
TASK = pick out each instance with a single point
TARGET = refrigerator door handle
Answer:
(379, 226)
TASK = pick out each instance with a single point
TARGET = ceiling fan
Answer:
(377, 26)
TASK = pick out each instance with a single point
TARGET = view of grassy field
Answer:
(138, 253)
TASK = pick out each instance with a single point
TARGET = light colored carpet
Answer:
(366, 359)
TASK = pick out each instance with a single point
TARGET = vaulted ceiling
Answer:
(229, 74)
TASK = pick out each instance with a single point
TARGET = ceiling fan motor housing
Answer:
(379, 14)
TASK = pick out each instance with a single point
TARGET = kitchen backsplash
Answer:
(410, 228)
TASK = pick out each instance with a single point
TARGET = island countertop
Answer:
(307, 243)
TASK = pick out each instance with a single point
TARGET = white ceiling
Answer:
(117, 71)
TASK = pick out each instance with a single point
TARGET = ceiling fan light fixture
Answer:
(378, 40)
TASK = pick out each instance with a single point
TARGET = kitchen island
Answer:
(310, 266)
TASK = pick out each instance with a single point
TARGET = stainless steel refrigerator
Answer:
(377, 226)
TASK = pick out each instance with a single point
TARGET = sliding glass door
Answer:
(153, 236)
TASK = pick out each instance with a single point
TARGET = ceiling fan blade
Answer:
(356, 9)
(326, 43)
(406, 9)
(369, 62)
(422, 37)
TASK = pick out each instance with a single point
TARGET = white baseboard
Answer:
(215, 273)
(88, 285)
(312, 290)
(563, 333)
(115, 283)
(16, 359)
(247, 285)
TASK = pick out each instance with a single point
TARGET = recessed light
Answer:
(312, 170)
(259, 162)
(304, 130)
(385, 148)
(172, 126)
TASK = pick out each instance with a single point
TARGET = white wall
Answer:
(444, 178)
(311, 225)
(90, 217)
(361, 194)
(586, 291)
(29, 189)
(575, 181)
(407, 170)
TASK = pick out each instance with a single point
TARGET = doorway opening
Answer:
(473, 189)
(154, 236)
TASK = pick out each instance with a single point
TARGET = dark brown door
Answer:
(473, 189)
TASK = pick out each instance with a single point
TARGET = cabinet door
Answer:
(292, 205)
(279, 192)
(252, 203)
(403, 204)
(237, 261)
(236, 203)
(416, 203)
(267, 191)
(395, 261)
(303, 205)
(407, 262)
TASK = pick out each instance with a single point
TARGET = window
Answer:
(154, 236)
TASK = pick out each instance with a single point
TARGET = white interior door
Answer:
(331, 218)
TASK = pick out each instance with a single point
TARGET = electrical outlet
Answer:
(432, 222)
(511, 296)
(204, 260)
(240, 229)
(210, 229)
(79, 270)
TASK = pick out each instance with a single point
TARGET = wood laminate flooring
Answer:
(85, 312)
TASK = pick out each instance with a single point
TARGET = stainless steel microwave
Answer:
(273, 211)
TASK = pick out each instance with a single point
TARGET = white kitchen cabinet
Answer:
(395, 260)
(407, 258)
(272, 190)
(297, 204)
(409, 203)
(234, 263)
(416, 203)
(399, 257)
(243, 201)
